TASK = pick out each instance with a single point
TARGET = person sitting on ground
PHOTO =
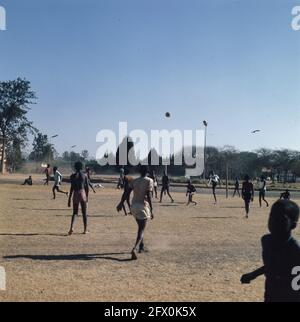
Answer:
(27, 182)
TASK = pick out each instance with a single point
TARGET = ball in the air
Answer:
(168, 114)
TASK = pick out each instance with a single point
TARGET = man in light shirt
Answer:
(141, 206)
(57, 182)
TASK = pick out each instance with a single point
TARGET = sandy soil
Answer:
(197, 253)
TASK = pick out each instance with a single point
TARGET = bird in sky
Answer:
(255, 131)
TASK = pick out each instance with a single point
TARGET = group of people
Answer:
(125, 180)
(165, 189)
(281, 252)
(247, 192)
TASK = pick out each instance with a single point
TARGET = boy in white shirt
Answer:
(57, 182)
(141, 206)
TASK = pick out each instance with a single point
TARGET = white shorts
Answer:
(140, 211)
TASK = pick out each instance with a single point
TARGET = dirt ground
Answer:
(197, 253)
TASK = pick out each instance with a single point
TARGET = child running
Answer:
(191, 190)
(141, 207)
(47, 174)
(281, 255)
(236, 187)
(247, 193)
(57, 182)
(127, 189)
(79, 189)
(165, 187)
(214, 180)
(262, 191)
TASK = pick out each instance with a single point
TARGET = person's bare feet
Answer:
(133, 255)
(143, 250)
(86, 232)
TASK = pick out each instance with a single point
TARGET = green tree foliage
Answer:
(42, 149)
(15, 98)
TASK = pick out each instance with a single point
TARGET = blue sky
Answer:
(94, 63)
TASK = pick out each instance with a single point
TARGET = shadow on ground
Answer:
(34, 234)
(210, 217)
(106, 256)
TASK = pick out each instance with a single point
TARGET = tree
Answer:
(42, 149)
(72, 156)
(15, 98)
(66, 156)
(14, 154)
(154, 160)
(283, 161)
(296, 167)
(127, 146)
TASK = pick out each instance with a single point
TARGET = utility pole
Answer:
(3, 155)
(227, 178)
(204, 153)
(51, 137)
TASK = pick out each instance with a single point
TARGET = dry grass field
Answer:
(197, 253)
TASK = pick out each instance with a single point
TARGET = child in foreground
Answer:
(281, 255)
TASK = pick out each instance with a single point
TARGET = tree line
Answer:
(16, 98)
